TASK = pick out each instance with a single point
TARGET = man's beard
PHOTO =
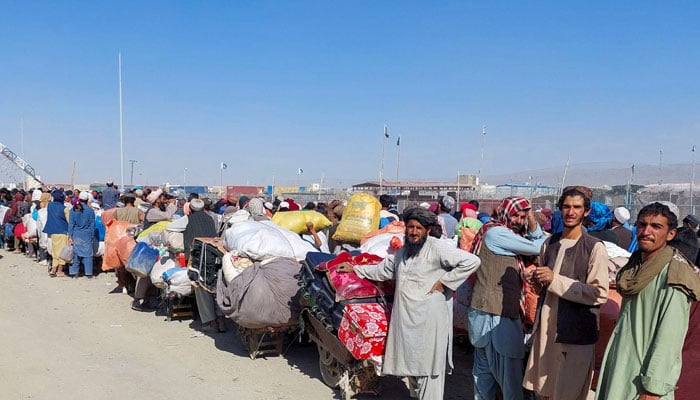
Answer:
(162, 207)
(412, 249)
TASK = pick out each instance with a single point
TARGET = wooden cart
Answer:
(267, 341)
(339, 369)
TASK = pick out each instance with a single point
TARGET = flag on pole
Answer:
(398, 141)
(224, 166)
(483, 130)
(693, 149)
(386, 132)
(632, 168)
(300, 171)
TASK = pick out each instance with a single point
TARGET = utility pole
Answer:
(131, 181)
(692, 181)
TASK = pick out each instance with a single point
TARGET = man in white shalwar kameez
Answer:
(427, 271)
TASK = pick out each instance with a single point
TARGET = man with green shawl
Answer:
(643, 357)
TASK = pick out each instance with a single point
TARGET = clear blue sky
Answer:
(270, 87)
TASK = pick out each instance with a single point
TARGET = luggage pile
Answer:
(206, 259)
(337, 301)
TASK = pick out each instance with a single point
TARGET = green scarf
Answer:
(635, 276)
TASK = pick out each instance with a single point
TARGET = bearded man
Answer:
(495, 328)
(427, 272)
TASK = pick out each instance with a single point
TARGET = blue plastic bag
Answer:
(141, 260)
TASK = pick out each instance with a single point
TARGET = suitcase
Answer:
(364, 328)
(206, 258)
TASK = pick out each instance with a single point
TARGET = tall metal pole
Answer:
(483, 144)
(381, 171)
(692, 181)
(131, 179)
(398, 157)
(563, 178)
(221, 176)
(21, 147)
(121, 125)
(184, 181)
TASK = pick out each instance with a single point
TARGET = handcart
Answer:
(339, 369)
(266, 341)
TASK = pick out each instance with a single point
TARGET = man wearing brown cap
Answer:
(427, 272)
(572, 282)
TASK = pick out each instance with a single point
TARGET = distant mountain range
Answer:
(597, 174)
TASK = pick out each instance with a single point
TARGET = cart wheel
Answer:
(331, 369)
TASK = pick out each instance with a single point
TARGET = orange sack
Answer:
(393, 227)
(115, 231)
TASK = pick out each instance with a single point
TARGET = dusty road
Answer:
(68, 338)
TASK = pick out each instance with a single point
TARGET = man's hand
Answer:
(531, 221)
(437, 287)
(543, 275)
(344, 267)
(310, 226)
(648, 396)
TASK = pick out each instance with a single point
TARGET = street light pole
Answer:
(184, 181)
(131, 179)
(692, 180)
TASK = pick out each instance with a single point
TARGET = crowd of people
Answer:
(514, 253)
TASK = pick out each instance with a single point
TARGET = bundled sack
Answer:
(160, 266)
(265, 239)
(177, 281)
(360, 217)
(296, 221)
(264, 294)
(157, 227)
(233, 264)
(350, 286)
(115, 231)
(141, 260)
(125, 246)
(383, 244)
(394, 227)
(67, 253)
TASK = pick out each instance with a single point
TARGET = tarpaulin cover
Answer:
(264, 294)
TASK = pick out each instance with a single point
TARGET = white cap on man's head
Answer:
(622, 214)
(154, 196)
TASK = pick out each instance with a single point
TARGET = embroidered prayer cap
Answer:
(671, 206)
(84, 195)
(196, 205)
(447, 202)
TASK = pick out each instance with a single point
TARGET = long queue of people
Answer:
(536, 281)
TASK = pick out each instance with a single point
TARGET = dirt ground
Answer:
(66, 338)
